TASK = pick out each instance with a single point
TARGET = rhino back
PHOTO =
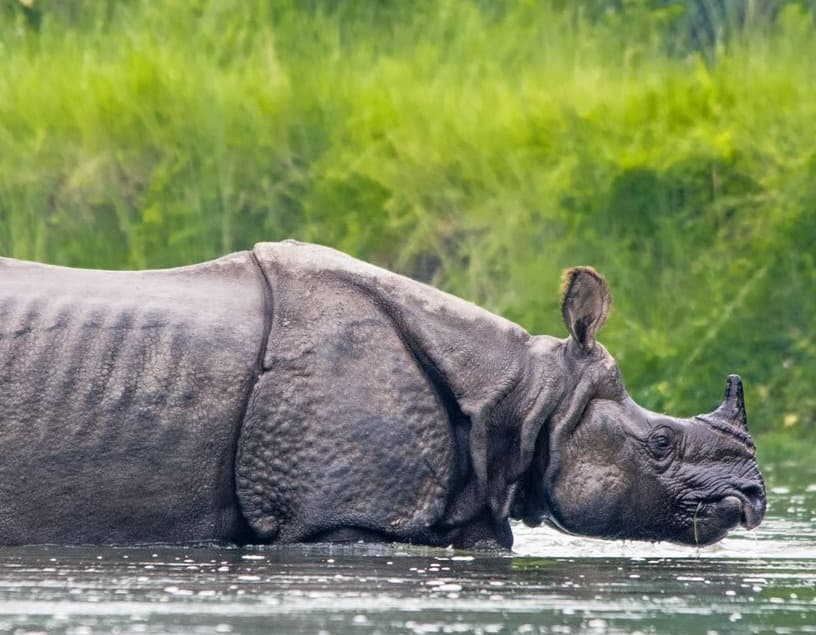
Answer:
(121, 394)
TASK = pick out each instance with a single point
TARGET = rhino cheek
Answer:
(588, 500)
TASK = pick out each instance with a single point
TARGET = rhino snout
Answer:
(714, 518)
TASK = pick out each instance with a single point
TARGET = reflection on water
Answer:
(762, 581)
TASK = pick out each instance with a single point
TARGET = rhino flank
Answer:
(292, 393)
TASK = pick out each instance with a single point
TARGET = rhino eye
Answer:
(661, 443)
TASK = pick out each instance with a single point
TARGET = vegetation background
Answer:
(481, 146)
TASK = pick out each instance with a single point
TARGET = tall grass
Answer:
(479, 146)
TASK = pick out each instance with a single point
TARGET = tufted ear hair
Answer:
(585, 303)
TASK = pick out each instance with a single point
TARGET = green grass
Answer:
(480, 146)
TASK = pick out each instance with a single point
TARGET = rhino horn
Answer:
(732, 408)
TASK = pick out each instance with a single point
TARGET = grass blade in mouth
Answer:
(696, 526)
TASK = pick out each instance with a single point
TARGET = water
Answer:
(758, 582)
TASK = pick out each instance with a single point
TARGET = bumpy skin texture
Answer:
(121, 395)
(296, 394)
(377, 391)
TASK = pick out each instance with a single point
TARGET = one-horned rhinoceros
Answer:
(292, 393)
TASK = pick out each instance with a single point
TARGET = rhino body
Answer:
(292, 393)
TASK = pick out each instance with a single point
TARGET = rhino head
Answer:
(606, 467)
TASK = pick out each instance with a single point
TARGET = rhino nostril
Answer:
(754, 493)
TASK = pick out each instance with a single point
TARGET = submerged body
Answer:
(293, 393)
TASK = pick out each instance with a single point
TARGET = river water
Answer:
(762, 581)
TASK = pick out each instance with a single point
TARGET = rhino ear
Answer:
(585, 302)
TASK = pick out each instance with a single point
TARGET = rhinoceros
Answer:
(292, 393)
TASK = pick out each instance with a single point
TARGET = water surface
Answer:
(753, 582)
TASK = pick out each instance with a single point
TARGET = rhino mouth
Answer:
(714, 519)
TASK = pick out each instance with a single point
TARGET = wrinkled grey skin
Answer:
(293, 394)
